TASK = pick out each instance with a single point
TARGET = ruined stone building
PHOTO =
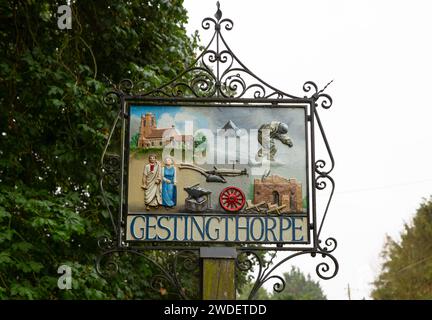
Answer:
(280, 191)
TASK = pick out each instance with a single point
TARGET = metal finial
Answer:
(322, 90)
(218, 14)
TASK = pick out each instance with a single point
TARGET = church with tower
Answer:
(152, 136)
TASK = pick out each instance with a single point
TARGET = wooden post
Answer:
(218, 273)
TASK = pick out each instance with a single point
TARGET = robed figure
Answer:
(169, 191)
(151, 183)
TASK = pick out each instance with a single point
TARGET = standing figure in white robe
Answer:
(151, 183)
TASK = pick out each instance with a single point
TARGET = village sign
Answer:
(218, 158)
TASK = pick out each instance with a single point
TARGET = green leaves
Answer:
(21, 246)
(5, 258)
(4, 214)
(51, 90)
(22, 291)
(6, 235)
(300, 287)
(407, 269)
(29, 266)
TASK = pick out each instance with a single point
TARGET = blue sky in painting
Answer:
(166, 116)
(137, 111)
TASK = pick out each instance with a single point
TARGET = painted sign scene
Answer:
(217, 159)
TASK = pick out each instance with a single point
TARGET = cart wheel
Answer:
(232, 199)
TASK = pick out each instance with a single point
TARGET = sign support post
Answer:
(218, 273)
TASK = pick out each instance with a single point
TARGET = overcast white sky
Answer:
(380, 55)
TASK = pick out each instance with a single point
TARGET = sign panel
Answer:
(217, 173)
(213, 228)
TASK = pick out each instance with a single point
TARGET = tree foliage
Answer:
(299, 287)
(262, 293)
(407, 269)
(53, 127)
(134, 141)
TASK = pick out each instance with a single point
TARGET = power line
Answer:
(383, 187)
(414, 264)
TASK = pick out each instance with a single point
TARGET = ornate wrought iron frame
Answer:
(217, 76)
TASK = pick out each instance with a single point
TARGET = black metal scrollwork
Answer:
(248, 258)
(170, 266)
